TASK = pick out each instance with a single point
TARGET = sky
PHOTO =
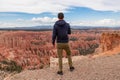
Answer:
(28, 13)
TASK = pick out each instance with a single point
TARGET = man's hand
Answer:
(54, 46)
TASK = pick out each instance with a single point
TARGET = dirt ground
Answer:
(100, 68)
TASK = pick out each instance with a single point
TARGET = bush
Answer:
(89, 50)
(73, 39)
(90, 39)
(11, 66)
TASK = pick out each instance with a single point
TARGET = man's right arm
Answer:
(54, 35)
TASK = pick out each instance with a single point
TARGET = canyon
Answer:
(33, 49)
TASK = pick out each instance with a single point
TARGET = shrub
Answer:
(11, 66)
(90, 39)
(89, 50)
(73, 39)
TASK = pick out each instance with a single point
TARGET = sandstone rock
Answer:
(109, 41)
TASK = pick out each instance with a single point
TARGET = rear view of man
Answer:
(60, 32)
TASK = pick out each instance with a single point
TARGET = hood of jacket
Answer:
(60, 23)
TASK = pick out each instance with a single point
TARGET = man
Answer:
(60, 32)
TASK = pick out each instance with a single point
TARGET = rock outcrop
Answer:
(109, 43)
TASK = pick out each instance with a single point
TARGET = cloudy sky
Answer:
(26, 13)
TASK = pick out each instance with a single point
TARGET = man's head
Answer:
(60, 15)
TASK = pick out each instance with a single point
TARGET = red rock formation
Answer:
(109, 40)
(32, 50)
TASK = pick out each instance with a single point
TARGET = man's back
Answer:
(61, 31)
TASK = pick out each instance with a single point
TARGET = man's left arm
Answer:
(69, 29)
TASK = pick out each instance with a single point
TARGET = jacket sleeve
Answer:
(54, 34)
(69, 29)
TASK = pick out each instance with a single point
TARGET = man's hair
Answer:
(60, 15)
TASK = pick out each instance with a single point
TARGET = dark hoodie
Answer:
(60, 31)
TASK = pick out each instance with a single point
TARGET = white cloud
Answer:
(104, 22)
(44, 19)
(7, 25)
(36, 21)
(53, 6)
(31, 6)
